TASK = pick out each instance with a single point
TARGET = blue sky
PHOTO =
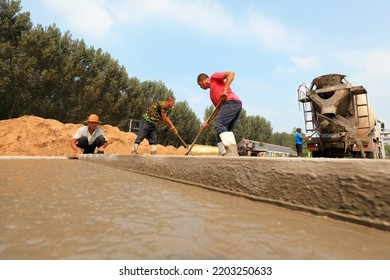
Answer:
(272, 46)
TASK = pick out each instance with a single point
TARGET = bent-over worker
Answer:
(148, 129)
(219, 85)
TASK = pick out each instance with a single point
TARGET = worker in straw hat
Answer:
(89, 137)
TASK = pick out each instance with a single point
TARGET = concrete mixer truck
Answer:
(340, 118)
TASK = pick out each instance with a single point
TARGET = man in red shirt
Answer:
(219, 85)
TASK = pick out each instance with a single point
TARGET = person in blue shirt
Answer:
(299, 142)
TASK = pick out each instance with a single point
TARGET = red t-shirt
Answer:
(217, 83)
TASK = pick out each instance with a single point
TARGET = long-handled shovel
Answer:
(323, 124)
(182, 141)
(209, 119)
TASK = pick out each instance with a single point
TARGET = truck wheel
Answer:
(316, 154)
(370, 155)
(375, 152)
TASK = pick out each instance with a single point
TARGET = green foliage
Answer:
(13, 24)
(283, 139)
(252, 127)
(186, 123)
(387, 150)
(45, 73)
(249, 127)
(209, 135)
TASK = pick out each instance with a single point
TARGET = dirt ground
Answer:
(35, 136)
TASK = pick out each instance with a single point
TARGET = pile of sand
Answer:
(35, 136)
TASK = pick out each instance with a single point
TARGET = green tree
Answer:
(254, 128)
(209, 135)
(46, 73)
(241, 128)
(105, 82)
(249, 127)
(13, 24)
(145, 94)
(126, 107)
(283, 139)
(186, 123)
(387, 150)
(45, 90)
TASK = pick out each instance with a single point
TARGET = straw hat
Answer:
(93, 118)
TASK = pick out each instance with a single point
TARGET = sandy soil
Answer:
(35, 136)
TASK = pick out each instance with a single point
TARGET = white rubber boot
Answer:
(230, 144)
(153, 149)
(221, 149)
(135, 148)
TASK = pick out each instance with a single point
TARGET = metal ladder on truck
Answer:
(361, 91)
(306, 106)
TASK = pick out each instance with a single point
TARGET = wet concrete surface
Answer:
(355, 190)
(53, 208)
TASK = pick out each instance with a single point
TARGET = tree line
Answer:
(46, 73)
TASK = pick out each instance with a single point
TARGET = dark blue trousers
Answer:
(90, 149)
(227, 116)
(148, 131)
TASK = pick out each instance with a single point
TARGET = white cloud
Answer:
(373, 64)
(198, 99)
(368, 67)
(86, 17)
(271, 33)
(371, 70)
(95, 19)
(305, 63)
(210, 17)
(203, 15)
